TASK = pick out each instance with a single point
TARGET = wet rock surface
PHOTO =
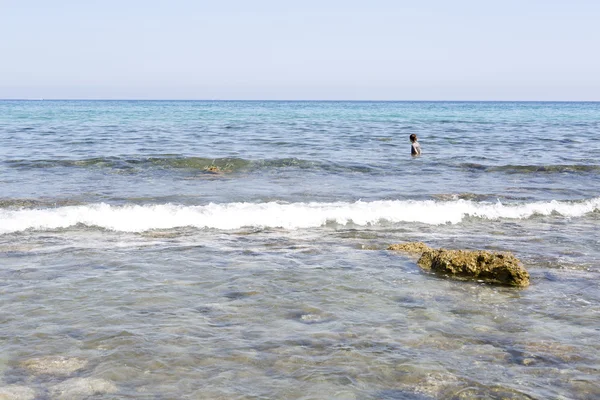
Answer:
(410, 247)
(491, 267)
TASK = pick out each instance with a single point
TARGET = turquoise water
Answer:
(237, 249)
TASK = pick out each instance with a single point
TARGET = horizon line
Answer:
(305, 100)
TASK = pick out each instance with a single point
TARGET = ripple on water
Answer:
(310, 315)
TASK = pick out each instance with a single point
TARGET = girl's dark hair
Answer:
(413, 137)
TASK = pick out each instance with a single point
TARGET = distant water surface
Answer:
(223, 249)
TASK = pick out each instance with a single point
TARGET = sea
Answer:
(238, 250)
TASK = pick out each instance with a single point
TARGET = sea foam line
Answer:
(139, 218)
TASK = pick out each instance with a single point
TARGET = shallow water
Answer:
(123, 254)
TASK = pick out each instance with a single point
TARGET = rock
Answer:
(54, 365)
(410, 247)
(216, 170)
(78, 388)
(559, 352)
(528, 361)
(15, 392)
(491, 267)
(213, 169)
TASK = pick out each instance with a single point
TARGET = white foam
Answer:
(136, 218)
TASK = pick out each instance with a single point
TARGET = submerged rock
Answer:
(16, 392)
(491, 267)
(54, 365)
(77, 388)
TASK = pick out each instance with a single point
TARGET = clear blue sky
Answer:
(309, 49)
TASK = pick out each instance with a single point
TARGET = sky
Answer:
(301, 50)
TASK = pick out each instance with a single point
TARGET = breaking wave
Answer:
(140, 218)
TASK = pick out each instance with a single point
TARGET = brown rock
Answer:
(213, 169)
(491, 267)
(410, 247)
